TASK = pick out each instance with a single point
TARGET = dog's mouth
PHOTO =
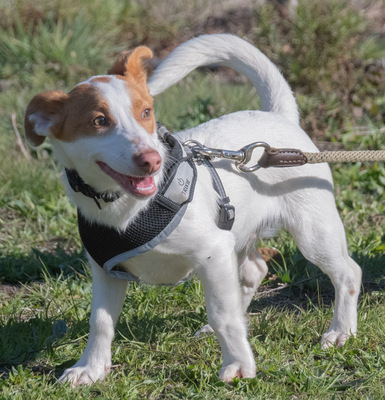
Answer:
(137, 186)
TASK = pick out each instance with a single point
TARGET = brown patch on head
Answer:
(352, 292)
(85, 105)
(130, 66)
(67, 116)
(142, 103)
(70, 116)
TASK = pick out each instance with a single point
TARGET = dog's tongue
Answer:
(138, 186)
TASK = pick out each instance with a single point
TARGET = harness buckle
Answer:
(226, 216)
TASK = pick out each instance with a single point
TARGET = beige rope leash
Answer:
(345, 156)
(273, 157)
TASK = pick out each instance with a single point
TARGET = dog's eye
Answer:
(100, 121)
(146, 114)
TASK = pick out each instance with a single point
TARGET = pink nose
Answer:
(149, 161)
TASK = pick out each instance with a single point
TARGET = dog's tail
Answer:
(231, 51)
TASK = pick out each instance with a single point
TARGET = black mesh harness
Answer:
(109, 246)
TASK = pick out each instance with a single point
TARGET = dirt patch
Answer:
(375, 13)
(270, 254)
(9, 290)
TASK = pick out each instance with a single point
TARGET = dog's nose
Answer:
(148, 161)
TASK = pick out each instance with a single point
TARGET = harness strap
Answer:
(226, 210)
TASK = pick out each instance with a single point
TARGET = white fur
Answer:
(298, 199)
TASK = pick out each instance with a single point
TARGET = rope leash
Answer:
(345, 156)
(273, 157)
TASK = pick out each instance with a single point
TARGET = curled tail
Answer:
(230, 51)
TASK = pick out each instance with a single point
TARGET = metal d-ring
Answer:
(248, 151)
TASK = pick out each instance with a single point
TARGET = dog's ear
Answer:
(131, 64)
(119, 66)
(135, 63)
(44, 113)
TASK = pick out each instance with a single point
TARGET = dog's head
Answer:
(104, 128)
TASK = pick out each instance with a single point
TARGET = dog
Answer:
(105, 130)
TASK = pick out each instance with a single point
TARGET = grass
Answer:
(45, 282)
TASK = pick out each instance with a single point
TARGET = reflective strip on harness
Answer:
(109, 247)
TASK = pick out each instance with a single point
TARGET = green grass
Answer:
(45, 287)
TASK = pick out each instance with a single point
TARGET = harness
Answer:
(109, 246)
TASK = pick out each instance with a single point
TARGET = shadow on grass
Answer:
(26, 334)
(310, 286)
(150, 328)
(25, 268)
(33, 344)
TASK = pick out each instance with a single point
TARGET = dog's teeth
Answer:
(145, 188)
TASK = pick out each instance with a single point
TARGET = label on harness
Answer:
(179, 190)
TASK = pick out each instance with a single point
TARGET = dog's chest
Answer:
(156, 268)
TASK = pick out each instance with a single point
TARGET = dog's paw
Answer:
(229, 372)
(84, 375)
(205, 330)
(334, 338)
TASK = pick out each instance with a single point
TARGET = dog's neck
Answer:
(118, 213)
(78, 185)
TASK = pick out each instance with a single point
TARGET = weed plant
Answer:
(332, 55)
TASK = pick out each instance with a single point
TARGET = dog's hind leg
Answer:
(322, 241)
(252, 270)
(219, 276)
(107, 302)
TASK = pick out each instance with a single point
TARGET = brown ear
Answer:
(119, 66)
(131, 63)
(43, 113)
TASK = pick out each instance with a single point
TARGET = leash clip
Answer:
(241, 157)
(204, 151)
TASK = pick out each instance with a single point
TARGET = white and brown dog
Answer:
(104, 129)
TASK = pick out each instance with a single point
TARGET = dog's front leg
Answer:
(219, 277)
(107, 301)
